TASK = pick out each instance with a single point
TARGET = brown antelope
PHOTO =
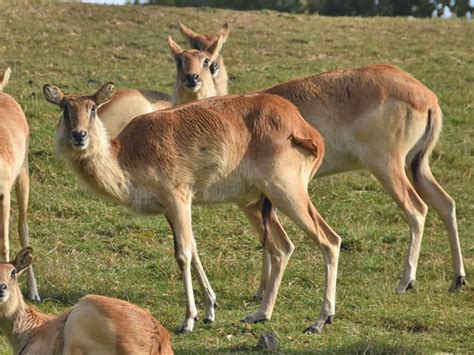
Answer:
(255, 151)
(380, 118)
(201, 42)
(128, 104)
(95, 325)
(14, 136)
(194, 79)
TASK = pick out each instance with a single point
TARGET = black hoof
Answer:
(181, 330)
(410, 285)
(312, 330)
(330, 320)
(207, 321)
(244, 320)
(196, 318)
(215, 305)
(458, 283)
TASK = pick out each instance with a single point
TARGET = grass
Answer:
(85, 245)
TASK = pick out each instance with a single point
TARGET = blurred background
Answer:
(417, 8)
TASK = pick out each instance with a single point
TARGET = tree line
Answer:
(417, 8)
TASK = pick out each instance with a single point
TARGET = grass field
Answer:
(84, 245)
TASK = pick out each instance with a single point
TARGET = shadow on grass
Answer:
(357, 348)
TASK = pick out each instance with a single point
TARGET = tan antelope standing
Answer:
(382, 119)
(201, 42)
(95, 325)
(14, 137)
(255, 151)
(197, 77)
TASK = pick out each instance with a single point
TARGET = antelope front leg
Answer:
(22, 190)
(207, 291)
(180, 220)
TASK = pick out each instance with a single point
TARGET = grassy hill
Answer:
(85, 245)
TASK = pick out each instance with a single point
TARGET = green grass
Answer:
(85, 245)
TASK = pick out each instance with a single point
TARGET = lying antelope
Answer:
(201, 42)
(255, 151)
(14, 136)
(380, 118)
(196, 78)
(95, 325)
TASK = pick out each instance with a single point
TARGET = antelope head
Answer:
(10, 294)
(79, 127)
(193, 66)
(201, 41)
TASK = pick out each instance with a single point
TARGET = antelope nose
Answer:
(192, 79)
(79, 136)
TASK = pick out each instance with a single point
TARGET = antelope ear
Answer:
(4, 78)
(104, 94)
(215, 48)
(53, 94)
(224, 32)
(174, 47)
(187, 33)
(23, 259)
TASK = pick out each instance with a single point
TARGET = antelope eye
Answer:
(179, 62)
(93, 111)
(214, 67)
(14, 273)
(206, 63)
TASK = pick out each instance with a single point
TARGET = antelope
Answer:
(194, 80)
(128, 104)
(201, 42)
(197, 77)
(95, 325)
(255, 151)
(380, 118)
(14, 137)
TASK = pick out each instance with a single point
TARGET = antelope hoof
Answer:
(35, 297)
(313, 330)
(183, 330)
(188, 325)
(210, 315)
(256, 317)
(404, 286)
(317, 328)
(458, 282)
